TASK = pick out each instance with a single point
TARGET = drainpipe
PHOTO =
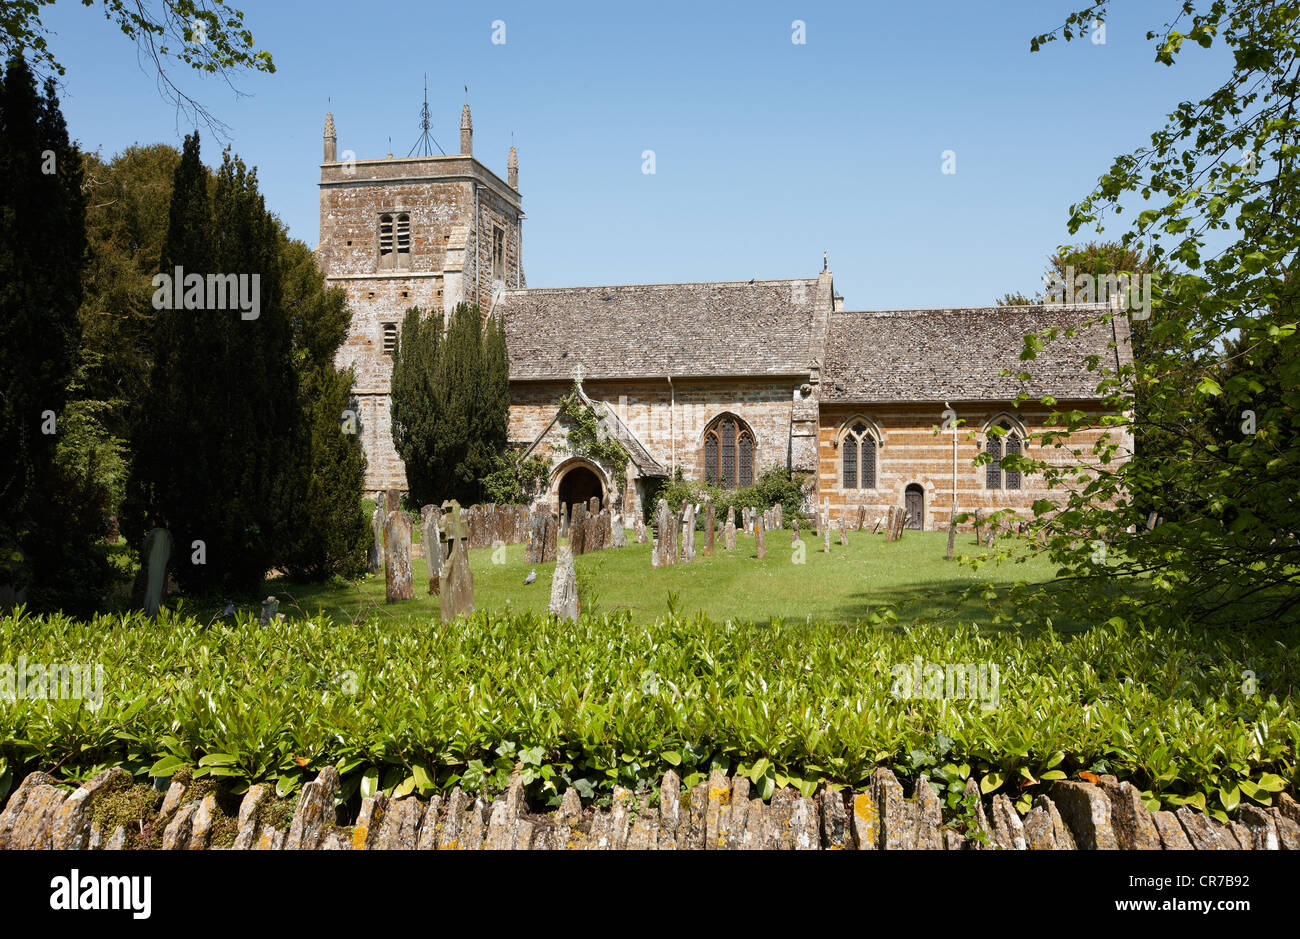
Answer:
(672, 427)
(954, 464)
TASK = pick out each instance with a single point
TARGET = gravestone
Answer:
(564, 519)
(688, 534)
(593, 505)
(157, 550)
(776, 516)
(826, 534)
(536, 538)
(729, 535)
(564, 587)
(431, 539)
(578, 529)
(862, 518)
(816, 521)
(710, 526)
(665, 551)
(392, 501)
(794, 530)
(760, 538)
(731, 516)
(619, 532)
(639, 525)
(270, 611)
(377, 545)
(598, 530)
(552, 539)
(456, 582)
(844, 530)
(398, 581)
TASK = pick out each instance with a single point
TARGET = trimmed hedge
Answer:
(603, 702)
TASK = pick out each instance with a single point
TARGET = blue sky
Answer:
(767, 153)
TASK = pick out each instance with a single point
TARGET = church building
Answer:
(716, 381)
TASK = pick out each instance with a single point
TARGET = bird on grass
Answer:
(532, 576)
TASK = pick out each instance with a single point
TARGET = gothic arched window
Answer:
(858, 449)
(729, 452)
(998, 447)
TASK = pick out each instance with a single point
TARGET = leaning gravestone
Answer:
(862, 517)
(688, 534)
(431, 540)
(564, 587)
(578, 529)
(760, 539)
(710, 528)
(456, 582)
(157, 550)
(398, 581)
(377, 545)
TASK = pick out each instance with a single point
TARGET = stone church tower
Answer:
(430, 231)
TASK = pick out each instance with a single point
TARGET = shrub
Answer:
(775, 485)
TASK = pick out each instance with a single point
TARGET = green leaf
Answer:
(671, 757)
(990, 782)
(166, 767)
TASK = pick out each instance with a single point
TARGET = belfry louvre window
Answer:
(729, 453)
(858, 458)
(390, 338)
(498, 253)
(394, 241)
(1009, 444)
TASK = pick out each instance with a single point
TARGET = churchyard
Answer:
(847, 584)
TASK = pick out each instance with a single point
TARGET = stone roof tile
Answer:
(957, 354)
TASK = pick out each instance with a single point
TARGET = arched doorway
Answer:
(579, 484)
(914, 505)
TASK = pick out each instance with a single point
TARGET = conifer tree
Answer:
(42, 250)
(451, 396)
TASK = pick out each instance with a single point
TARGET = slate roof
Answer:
(956, 354)
(654, 330)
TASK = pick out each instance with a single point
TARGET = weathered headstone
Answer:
(665, 551)
(619, 532)
(593, 505)
(688, 534)
(826, 534)
(564, 587)
(431, 540)
(710, 528)
(776, 516)
(549, 550)
(564, 519)
(578, 529)
(456, 582)
(639, 525)
(377, 545)
(844, 530)
(760, 539)
(536, 538)
(862, 518)
(270, 610)
(157, 551)
(794, 530)
(392, 501)
(398, 581)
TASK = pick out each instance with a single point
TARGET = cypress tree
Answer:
(42, 251)
(451, 396)
(217, 441)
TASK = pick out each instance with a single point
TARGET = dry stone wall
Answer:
(720, 813)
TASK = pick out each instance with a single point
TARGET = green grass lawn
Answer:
(844, 585)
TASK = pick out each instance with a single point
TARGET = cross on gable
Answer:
(454, 526)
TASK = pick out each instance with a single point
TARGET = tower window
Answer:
(498, 253)
(390, 338)
(394, 241)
